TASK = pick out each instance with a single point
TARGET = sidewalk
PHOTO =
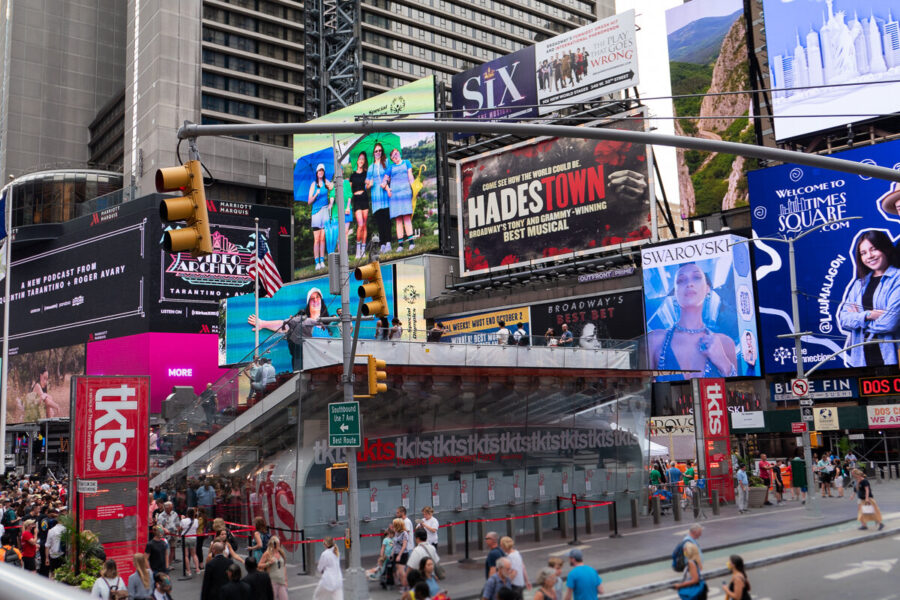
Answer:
(641, 558)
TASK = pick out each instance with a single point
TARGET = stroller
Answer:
(665, 500)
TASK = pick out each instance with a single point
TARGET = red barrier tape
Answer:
(453, 524)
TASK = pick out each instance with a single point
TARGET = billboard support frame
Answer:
(366, 125)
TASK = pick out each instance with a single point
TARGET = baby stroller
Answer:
(665, 500)
(386, 577)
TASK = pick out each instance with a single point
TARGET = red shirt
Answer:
(765, 469)
(28, 549)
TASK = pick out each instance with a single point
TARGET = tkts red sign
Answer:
(715, 409)
(111, 426)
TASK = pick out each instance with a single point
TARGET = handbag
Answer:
(868, 509)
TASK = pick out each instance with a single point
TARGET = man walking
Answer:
(494, 553)
(206, 497)
(765, 473)
(215, 577)
(798, 478)
(170, 523)
(743, 488)
(498, 581)
(583, 582)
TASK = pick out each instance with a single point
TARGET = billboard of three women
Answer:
(700, 309)
(390, 183)
(847, 271)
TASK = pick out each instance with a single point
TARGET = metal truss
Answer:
(333, 69)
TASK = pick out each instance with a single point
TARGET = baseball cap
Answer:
(576, 554)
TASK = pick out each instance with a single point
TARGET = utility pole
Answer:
(811, 503)
(357, 586)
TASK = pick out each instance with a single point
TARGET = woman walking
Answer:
(519, 574)
(400, 552)
(739, 586)
(260, 538)
(140, 583)
(109, 586)
(868, 508)
(331, 585)
(189, 527)
(546, 581)
(274, 562)
(692, 585)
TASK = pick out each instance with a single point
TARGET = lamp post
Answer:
(811, 504)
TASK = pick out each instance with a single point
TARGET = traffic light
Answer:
(815, 440)
(372, 288)
(376, 375)
(337, 477)
(188, 178)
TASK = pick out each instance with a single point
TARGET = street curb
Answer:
(760, 562)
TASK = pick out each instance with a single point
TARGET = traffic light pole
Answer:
(357, 586)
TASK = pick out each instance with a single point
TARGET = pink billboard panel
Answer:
(170, 359)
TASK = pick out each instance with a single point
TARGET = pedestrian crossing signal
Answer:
(815, 439)
(337, 477)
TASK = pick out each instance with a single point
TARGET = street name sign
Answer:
(344, 425)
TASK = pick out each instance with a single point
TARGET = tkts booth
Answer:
(715, 456)
(110, 420)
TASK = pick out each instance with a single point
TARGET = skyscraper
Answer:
(137, 71)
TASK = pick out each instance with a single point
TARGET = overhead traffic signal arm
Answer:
(191, 207)
(372, 288)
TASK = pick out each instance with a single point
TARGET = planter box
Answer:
(756, 497)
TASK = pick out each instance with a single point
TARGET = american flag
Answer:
(268, 272)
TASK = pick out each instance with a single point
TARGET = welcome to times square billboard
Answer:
(847, 272)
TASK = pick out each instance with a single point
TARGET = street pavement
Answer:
(865, 571)
(641, 559)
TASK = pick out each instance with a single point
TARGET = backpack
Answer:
(678, 562)
(11, 558)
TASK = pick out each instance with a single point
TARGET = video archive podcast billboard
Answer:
(409, 201)
(578, 66)
(707, 42)
(812, 44)
(551, 198)
(700, 310)
(788, 200)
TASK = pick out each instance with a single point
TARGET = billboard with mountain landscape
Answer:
(707, 42)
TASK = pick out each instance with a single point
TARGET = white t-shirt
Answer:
(189, 526)
(103, 586)
(502, 336)
(431, 523)
(53, 538)
(517, 565)
(407, 523)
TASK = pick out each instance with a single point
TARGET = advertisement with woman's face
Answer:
(698, 298)
(847, 262)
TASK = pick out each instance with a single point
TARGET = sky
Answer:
(697, 9)
(653, 62)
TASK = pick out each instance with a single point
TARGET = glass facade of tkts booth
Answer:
(476, 443)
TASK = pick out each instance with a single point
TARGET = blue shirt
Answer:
(491, 561)
(494, 585)
(674, 475)
(854, 323)
(583, 581)
(742, 478)
(320, 200)
(206, 496)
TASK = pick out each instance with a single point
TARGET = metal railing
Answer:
(19, 584)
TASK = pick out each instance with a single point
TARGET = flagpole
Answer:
(256, 288)
(4, 382)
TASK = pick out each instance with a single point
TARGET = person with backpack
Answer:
(678, 555)
(691, 586)
(10, 554)
(109, 586)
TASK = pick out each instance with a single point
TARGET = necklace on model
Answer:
(681, 329)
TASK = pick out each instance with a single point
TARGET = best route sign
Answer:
(344, 425)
